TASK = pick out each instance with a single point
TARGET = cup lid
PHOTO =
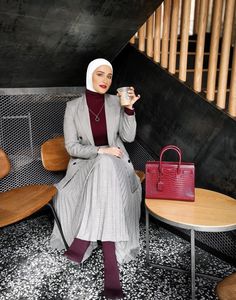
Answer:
(123, 88)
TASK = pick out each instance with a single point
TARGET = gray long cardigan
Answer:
(79, 141)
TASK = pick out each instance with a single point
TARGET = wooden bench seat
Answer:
(19, 203)
(22, 202)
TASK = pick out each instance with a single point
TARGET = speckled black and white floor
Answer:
(30, 269)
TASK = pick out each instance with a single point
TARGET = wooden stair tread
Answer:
(22, 202)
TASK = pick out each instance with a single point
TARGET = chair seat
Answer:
(22, 202)
(226, 289)
(141, 175)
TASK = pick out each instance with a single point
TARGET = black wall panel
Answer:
(171, 113)
(49, 43)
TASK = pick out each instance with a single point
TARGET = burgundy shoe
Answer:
(72, 256)
(77, 250)
(113, 294)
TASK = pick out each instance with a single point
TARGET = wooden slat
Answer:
(150, 36)
(157, 35)
(5, 165)
(232, 94)
(132, 40)
(197, 85)
(224, 62)
(141, 38)
(214, 49)
(165, 35)
(196, 16)
(173, 36)
(233, 38)
(184, 39)
(54, 155)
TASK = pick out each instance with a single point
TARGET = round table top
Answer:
(210, 212)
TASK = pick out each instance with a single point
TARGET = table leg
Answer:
(193, 270)
(147, 237)
(193, 263)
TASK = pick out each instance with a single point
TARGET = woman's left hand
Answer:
(133, 97)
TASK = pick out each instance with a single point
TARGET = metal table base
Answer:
(193, 267)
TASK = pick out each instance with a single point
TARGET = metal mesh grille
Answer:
(223, 242)
(26, 121)
(138, 155)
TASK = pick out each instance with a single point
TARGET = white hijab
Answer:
(93, 65)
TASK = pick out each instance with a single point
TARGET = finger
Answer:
(137, 97)
(132, 95)
(120, 153)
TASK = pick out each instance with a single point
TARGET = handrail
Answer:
(170, 24)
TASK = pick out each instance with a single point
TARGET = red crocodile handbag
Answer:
(170, 180)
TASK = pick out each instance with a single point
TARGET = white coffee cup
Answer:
(124, 96)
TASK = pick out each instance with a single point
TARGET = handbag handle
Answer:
(171, 147)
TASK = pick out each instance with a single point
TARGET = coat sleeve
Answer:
(72, 143)
(127, 127)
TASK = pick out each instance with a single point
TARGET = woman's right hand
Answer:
(116, 151)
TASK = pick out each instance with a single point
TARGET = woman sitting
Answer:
(99, 197)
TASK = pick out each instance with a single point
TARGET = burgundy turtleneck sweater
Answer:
(95, 102)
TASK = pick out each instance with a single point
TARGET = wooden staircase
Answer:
(205, 61)
(206, 56)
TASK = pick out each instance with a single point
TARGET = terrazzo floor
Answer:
(31, 270)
